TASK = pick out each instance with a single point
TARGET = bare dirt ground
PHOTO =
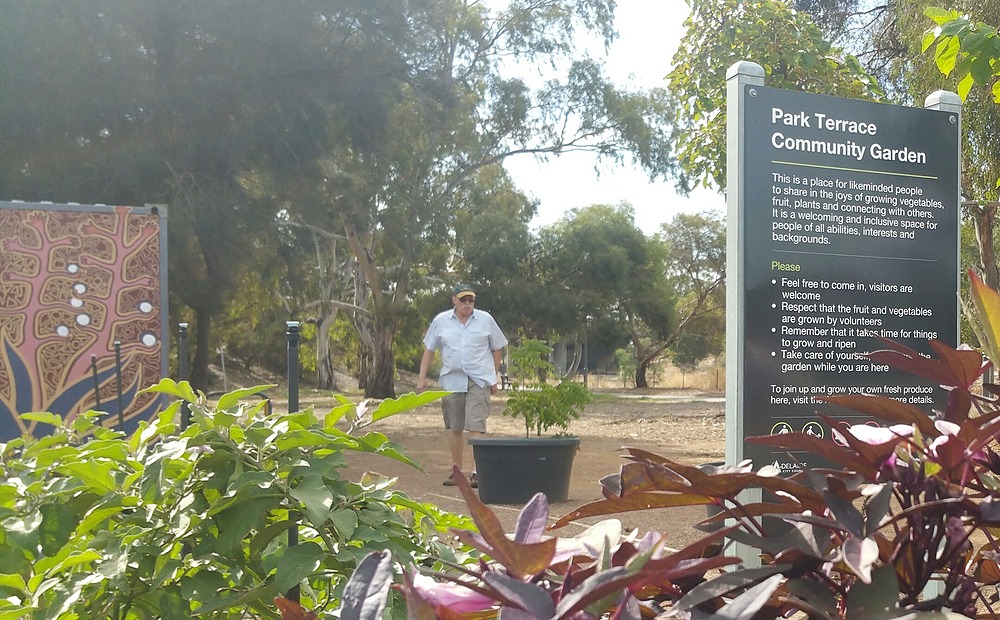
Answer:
(684, 425)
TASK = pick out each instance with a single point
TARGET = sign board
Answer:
(848, 218)
(74, 280)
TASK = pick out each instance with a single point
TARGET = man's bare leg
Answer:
(457, 444)
(474, 434)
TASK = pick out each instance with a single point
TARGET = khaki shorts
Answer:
(467, 411)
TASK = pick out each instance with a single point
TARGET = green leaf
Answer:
(378, 443)
(58, 525)
(99, 475)
(297, 563)
(928, 39)
(172, 604)
(44, 417)
(406, 402)
(169, 387)
(345, 522)
(203, 585)
(965, 86)
(263, 538)
(941, 16)
(239, 519)
(225, 599)
(337, 413)
(9, 611)
(257, 479)
(231, 399)
(986, 303)
(946, 54)
(305, 438)
(12, 581)
(313, 493)
(72, 559)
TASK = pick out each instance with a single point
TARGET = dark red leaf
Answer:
(522, 560)
(639, 501)
(967, 365)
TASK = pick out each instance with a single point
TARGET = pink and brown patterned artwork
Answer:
(74, 280)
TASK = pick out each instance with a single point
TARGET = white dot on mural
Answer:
(82, 319)
(146, 307)
(62, 330)
(148, 340)
(76, 303)
(80, 288)
(72, 267)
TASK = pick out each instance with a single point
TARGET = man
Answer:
(471, 346)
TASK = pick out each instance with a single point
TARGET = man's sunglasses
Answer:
(467, 300)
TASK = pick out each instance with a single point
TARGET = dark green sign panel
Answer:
(851, 235)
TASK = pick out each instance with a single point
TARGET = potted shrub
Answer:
(512, 470)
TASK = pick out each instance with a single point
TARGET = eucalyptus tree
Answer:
(696, 269)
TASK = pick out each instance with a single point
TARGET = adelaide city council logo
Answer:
(787, 468)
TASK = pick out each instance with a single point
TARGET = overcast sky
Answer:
(649, 31)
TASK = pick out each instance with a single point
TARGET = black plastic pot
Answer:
(511, 470)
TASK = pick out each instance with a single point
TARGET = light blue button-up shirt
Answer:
(466, 350)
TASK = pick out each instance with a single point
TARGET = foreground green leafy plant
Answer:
(169, 524)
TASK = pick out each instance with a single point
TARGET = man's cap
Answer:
(463, 290)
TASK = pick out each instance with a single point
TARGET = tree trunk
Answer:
(326, 379)
(640, 374)
(383, 370)
(202, 353)
(984, 217)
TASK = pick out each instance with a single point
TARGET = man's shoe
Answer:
(474, 480)
(450, 482)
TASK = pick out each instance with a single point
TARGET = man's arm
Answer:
(425, 365)
(497, 360)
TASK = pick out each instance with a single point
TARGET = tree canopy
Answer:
(378, 127)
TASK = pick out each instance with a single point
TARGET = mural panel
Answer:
(74, 281)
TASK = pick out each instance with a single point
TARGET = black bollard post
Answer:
(97, 383)
(182, 370)
(292, 334)
(293, 365)
(118, 380)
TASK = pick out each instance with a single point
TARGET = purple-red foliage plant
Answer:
(903, 523)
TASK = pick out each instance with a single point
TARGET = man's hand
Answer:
(493, 390)
(421, 385)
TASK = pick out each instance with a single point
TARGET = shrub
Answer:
(174, 524)
(538, 404)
